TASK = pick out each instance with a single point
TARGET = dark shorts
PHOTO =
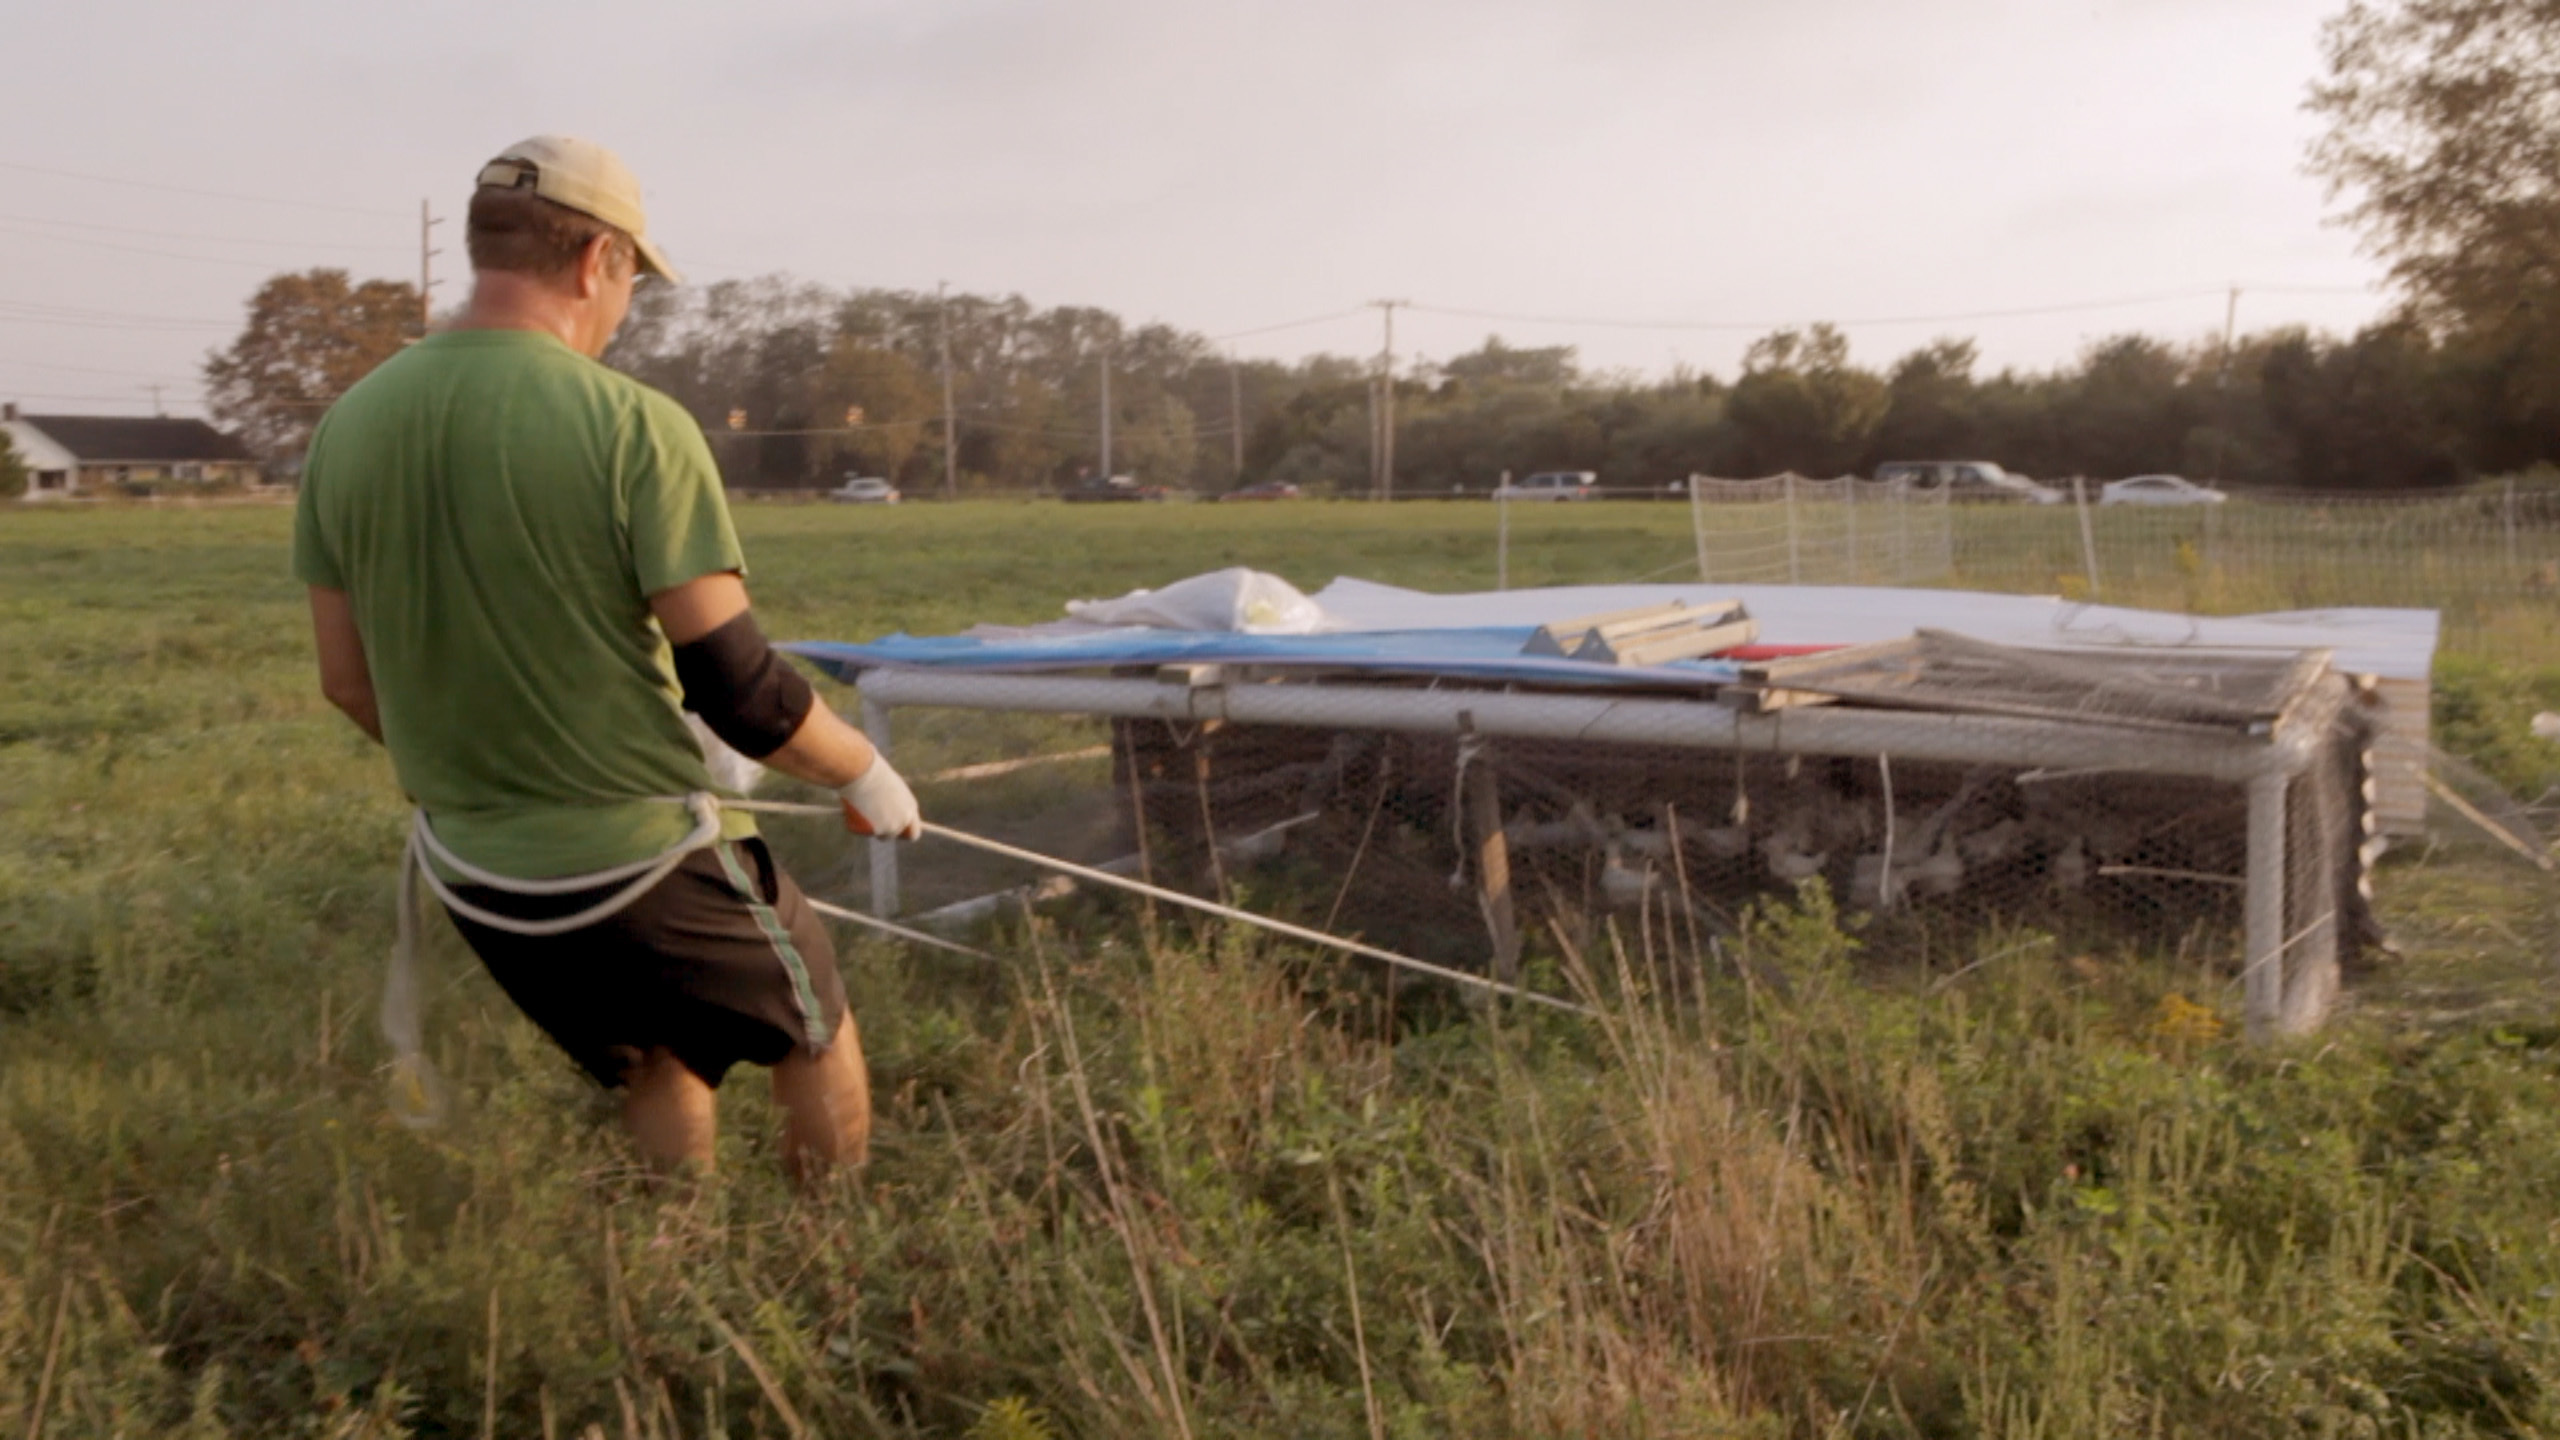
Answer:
(721, 962)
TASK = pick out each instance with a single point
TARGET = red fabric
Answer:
(1774, 652)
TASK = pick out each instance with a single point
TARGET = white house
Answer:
(69, 455)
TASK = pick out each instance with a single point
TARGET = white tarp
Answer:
(2394, 644)
(1246, 602)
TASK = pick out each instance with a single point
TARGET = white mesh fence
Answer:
(2488, 559)
(1845, 531)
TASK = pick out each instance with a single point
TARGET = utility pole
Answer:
(1373, 437)
(2222, 386)
(427, 222)
(950, 422)
(155, 400)
(1235, 419)
(1106, 416)
(1385, 460)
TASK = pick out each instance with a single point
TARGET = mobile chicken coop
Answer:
(1457, 764)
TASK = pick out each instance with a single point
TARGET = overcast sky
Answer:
(1653, 183)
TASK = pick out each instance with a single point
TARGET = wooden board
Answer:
(1648, 635)
(1651, 648)
(2401, 746)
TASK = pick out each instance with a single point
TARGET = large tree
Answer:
(2360, 414)
(1800, 405)
(310, 335)
(1930, 405)
(2444, 126)
(13, 471)
(886, 403)
(2130, 409)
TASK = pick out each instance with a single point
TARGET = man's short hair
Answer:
(519, 231)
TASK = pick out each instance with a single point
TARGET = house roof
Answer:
(100, 439)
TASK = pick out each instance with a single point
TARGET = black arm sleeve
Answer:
(749, 696)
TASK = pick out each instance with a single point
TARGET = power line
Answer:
(88, 370)
(1054, 432)
(1290, 324)
(62, 323)
(828, 430)
(27, 313)
(190, 190)
(192, 235)
(88, 244)
(2016, 312)
(80, 311)
(2311, 289)
(87, 399)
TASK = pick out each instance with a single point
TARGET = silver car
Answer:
(865, 490)
(2158, 490)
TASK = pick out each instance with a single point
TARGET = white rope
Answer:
(417, 1090)
(1229, 912)
(903, 932)
(1176, 897)
(643, 875)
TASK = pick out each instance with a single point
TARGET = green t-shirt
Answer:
(498, 508)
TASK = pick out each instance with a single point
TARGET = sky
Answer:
(1654, 182)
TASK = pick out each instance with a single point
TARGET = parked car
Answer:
(1117, 487)
(1267, 490)
(865, 490)
(1967, 480)
(1552, 485)
(2158, 490)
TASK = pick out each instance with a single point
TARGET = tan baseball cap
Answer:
(587, 178)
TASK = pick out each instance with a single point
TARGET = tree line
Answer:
(800, 385)
(2440, 132)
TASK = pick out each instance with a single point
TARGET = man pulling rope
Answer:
(522, 570)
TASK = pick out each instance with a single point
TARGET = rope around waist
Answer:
(636, 878)
(416, 1090)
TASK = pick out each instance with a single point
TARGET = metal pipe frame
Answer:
(2265, 764)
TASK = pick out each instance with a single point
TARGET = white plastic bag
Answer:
(1237, 599)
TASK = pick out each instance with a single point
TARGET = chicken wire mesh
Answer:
(1376, 837)
(1448, 846)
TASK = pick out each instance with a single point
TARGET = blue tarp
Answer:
(1491, 653)
(1382, 629)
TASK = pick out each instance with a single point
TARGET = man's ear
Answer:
(595, 262)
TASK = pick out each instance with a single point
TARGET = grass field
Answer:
(1142, 1179)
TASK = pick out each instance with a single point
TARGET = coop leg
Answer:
(2311, 968)
(2313, 986)
(1483, 801)
(884, 853)
(2262, 968)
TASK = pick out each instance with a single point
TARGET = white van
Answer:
(1553, 485)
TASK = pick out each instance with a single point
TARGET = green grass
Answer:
(1148, 1180)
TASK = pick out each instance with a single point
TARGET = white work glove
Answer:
(878, 802)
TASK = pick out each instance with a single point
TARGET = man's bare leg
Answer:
(672, 1115)
(826, 1107)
